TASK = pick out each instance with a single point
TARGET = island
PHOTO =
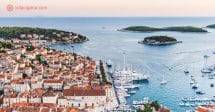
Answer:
(153, 29)
(211, 26)
(159, 40)
(48, 35)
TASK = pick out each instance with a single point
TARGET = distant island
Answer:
(153, 29)
(49, 35)
(211, 26)
(159, 40)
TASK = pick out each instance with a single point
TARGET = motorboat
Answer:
(206, 70)
(130, 86)
(131, 92)
(211, 76)
(192, 82)
(195, 86)
(212, 85)
(109, 63)
(186, 72)
(200, 92)
(141, 102)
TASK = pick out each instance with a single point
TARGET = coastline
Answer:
(161, 43)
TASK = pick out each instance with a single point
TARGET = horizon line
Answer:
(107, 17)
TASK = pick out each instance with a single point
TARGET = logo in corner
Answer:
(10, 7)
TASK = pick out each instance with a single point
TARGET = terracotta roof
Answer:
(201, 109)
(74, 110)
(24, 104)
(83, 92)
(4, 110)
(52, 81)
(45, 110)
(27, 109)
(2, 76)
(205, 108)
(50, 94)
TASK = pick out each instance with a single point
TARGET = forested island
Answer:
(159, 40)
(49, 35)
(211, 26)
(153, 29)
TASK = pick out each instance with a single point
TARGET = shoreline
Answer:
(162, 43)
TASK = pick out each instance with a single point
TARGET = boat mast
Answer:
(206, 60)
(124, 64)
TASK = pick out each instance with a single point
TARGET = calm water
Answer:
(107, 43)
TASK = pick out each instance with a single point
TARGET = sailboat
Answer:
(163, 81)
(186, 70)
(206, 69)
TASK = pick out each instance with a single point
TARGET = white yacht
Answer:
(127, 75)
(131, 92)
(130, 86)
(206, 70)
(192, 82)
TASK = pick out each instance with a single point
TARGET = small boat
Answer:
(163, 81)
(211, 76)
(109, 63)
(131, 92)
(127, 95)
(206, 70)
(195, 86)
(212, 85)
(181, 104)
(200, 92)
(213, 99)
(192, 82)
(186, 71)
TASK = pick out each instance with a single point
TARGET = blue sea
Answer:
(108, 43)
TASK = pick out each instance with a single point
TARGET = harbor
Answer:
(195, 102)
(162, 63)
(123, 82)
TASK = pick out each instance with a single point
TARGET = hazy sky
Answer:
(112, 7)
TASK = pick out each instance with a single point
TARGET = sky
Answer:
(107, 8)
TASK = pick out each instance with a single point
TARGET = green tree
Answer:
(156, 105)
(1, 46)
(139, 110)
(147, 108)
(50, 88)
(24, 75)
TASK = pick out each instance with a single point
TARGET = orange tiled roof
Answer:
(74, 110)
(24, 104)
(201, 109)
(79, 91)
(2, 76)
(52, 81)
